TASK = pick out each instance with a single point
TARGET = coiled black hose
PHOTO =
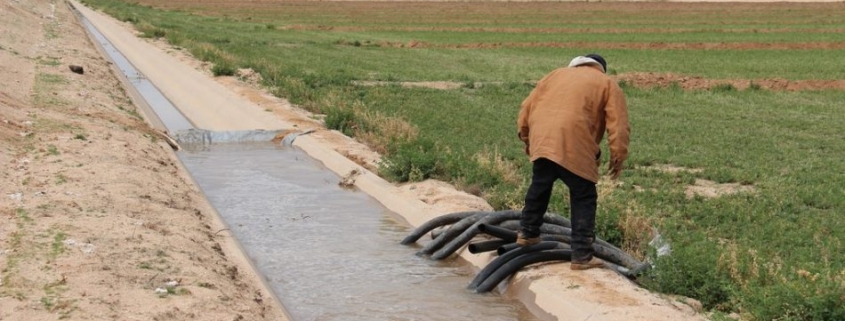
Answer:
(453, 231)
(603, 250)
(452, 218)
(501, 260)
(456, 243)
(518, 263)
(436, 222)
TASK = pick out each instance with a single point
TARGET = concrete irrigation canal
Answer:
(328, 252)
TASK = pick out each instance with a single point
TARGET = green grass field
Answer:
(771, 254)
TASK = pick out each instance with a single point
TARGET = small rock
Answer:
(694, 304)
(88, 248)
(160, 291)
(734, 316)
(69, 242)
(17, 197)
(77, 69)
(172, 284)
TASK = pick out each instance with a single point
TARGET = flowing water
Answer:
(331, 253)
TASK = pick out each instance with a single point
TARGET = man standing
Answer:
(562, 122)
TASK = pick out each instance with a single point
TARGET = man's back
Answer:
(566, 114)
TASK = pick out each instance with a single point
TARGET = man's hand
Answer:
(615, 169)
(527, 150)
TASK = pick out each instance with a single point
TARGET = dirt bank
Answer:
(99, 222)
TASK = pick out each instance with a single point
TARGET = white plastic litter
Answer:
(660, 244)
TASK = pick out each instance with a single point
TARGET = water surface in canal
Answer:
(330, 253)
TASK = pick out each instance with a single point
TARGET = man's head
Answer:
(591, 59)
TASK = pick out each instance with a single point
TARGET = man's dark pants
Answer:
(582, 196)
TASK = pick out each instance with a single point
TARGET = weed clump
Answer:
(223, 68)
(411, 161)
(723, 88)
(341, 119)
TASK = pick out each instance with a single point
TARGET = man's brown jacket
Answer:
(565, 117)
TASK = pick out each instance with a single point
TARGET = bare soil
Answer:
(711, 189)
(649, 79)
(100, 222)
(620, 45)
(660, 80)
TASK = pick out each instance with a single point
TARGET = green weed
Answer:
(57, 247)
(411, 161)
(49, 61)
(23, 215)
(60, 179)
(223, 68)
(341, 119)
(52, 150)
(133, 112)
(723, 88)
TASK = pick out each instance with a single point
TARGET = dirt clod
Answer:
(77, 69)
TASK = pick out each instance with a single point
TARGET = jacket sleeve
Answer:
(522, 120)
(525, 110)
(618, 129)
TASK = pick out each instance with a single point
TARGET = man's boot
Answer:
(586, 265)
(525, 240)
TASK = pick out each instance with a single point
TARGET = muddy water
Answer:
(331, 253)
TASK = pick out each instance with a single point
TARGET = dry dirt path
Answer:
(98, 221)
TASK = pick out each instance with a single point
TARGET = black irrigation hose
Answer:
(434, 223)
(509, 247)
(518, 263)
(486, 246)
(461, 232)
(457, 242)
(511, 225)
(456, 217)
(452, 232)
(627, 265)
(603, 250)
(502, 233)
(494, 265)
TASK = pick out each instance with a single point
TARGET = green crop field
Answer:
(772, 251)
